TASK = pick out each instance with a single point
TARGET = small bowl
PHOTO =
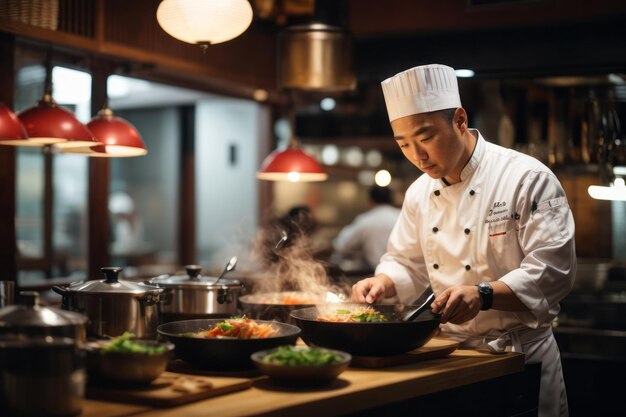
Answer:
(130, 368)
(301, 374)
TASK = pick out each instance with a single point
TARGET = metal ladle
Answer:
(229, 267)
(283, 239)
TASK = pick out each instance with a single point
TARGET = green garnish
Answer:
(291, 356)
(124, 344)
(367, 315)
(225, 326)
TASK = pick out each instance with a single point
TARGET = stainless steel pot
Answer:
(193, 296)
(41, 367)
(44, 376)
(114, 306)
(31, 320)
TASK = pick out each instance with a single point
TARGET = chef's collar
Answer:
(475, 158)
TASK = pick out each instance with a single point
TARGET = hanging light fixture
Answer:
(204, 22)
(117, 137)
(47, 123)
(11, 130)
(291, 164)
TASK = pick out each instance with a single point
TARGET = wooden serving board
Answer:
(434, 348)
(169, 389)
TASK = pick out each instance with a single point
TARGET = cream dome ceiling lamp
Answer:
(204, 22)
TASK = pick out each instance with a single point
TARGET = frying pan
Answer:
(391, 337)
(226, 353)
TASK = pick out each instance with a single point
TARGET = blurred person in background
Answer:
(364, 240)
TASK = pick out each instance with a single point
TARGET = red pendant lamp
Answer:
(47, 123)
(291, 164)
(11, 130)
(117, 138)
(50, 124)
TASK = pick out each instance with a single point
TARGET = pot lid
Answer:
(31, 314)
(111, 284)
(193, 279)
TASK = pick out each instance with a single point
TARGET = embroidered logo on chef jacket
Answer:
(499, 212)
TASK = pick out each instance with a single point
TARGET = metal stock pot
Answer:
(41, 367)
(193, 296)
(114, 306)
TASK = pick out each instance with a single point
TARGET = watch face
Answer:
(485, 288)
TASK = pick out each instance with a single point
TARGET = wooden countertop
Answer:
(354, 390)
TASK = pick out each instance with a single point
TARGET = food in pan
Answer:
(285, 298)
(125, 344)
(236, 328)
(307, 356)
(358, 315)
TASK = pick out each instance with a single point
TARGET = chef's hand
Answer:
(457, 304)
(371, 290)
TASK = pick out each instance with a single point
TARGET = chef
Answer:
(488, 228)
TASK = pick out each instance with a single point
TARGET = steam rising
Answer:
(293, 267)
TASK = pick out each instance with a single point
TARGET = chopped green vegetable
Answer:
(363, 315)
(291, 356)
(188, 334)
(124, 344)
(225, 326)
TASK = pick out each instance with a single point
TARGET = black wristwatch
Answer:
(486, 294)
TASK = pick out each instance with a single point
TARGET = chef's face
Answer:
(433, 142)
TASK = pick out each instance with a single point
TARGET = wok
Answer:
(391, 337)
(225, 353)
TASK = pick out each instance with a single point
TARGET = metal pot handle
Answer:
(150, 298)
(60, 290)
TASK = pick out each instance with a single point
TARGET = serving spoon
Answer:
(229, 267)
(412, 314)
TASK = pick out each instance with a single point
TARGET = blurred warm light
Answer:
(619, 170)
(617, 191)
(382, 178)
(353, 156)
(328, 103)
(260, 94)
(373, 158)
(366, 178)
(464, 73)
(330, 154)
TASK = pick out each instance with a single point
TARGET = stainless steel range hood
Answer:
(316, 56)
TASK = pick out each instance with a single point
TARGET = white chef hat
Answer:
(421, 89)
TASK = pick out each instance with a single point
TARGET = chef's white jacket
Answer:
(507, 219)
